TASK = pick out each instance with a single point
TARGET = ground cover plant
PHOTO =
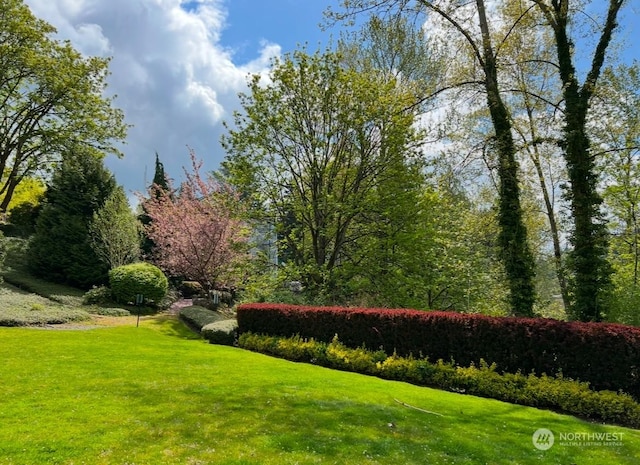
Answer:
(154, 395)
(21, 308)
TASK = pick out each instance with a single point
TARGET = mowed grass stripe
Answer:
(154, 395)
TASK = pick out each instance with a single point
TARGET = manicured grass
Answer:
(154, 395)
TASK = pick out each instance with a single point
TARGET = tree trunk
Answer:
(591, 269)
(516, 254)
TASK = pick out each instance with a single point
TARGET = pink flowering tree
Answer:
(197, 230)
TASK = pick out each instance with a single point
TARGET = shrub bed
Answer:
(221, 332)
(554, 393)
(198, 317)
(40, 316)
(128, 281)
(607, 356)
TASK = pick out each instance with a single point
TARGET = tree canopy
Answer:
(60, 249)
(324, 148)
(52, 99)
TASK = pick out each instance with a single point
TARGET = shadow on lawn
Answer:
(169, 325)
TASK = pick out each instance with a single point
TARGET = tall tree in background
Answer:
(160, 178)
(115, 231)
(591, 270)
(316, 146)
(464, 20)
(618, 147)
(51, 100)
(60, 249)
(160, 183)
(197, 232)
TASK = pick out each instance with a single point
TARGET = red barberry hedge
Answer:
(605, 355)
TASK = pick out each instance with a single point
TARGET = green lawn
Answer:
(155, 395)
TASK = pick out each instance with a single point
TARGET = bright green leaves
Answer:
(317, 146)
(50, 96)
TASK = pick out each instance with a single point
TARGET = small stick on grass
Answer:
(418, 408)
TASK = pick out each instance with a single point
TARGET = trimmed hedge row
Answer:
(211, 325)
(198, 317)
(607, 356)
(558, 394)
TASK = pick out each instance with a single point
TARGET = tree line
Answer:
(436, 157)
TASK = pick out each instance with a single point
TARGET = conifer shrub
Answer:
(99, 295)
(128, 281)
(197, 317)
(221, 332)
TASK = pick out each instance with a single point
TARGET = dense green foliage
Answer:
(23, 218)
(198, 317)
(502, 94)
(52, 100)
(97, 296)
(115, 231)
(128, 281)
(221, 332)
(161, 183)
(482, 380)
(343, 189)
(60, 250)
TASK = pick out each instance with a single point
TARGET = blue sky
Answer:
(178, 65)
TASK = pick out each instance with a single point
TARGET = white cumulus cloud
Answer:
(173, 79)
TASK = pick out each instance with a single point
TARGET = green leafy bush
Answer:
(108, 311)
(555, 393)
(97, 296)
(23, 217)
(127, 281)
(189, 289)
(221, 332)
(199, 317)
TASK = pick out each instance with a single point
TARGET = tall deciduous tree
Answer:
(197, 232)
(472, 24)
(115, 231)
(51, 99)
(589, 237)
(60, 249)
(618, 147)
(316, 145)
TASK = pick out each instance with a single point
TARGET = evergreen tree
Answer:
(60, 249)
(115, 231)
(159, 184)
(159, 177)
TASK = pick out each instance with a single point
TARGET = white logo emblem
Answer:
(543, 439)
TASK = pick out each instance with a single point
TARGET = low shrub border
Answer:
(553, 393)
(222, 332)
(198, 317)
(607, 356)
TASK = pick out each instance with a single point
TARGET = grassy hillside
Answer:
(154, 395)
